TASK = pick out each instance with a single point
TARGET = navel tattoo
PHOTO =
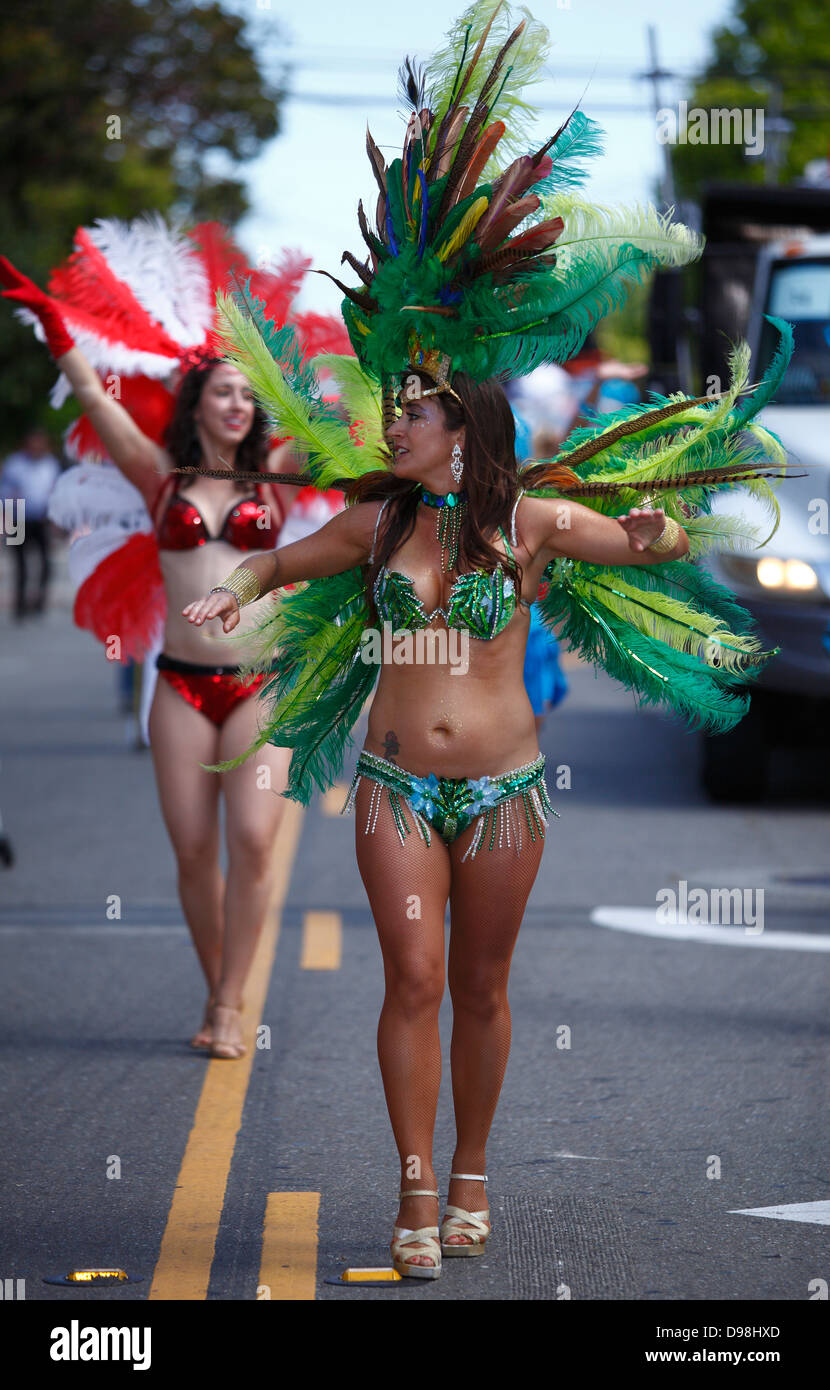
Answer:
(391, 747)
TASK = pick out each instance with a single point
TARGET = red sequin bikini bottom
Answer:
(213, 690)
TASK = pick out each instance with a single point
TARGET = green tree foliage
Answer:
(624, 333)
(774, 57)
(111, 110)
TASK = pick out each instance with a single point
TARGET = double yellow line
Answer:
(289, 1258)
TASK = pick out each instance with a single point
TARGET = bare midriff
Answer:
(189, 574)
(474, 723)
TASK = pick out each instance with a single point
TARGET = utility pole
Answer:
(776, 130)
(671, 279)
(654, 76)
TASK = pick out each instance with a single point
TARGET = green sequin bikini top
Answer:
(483, 603)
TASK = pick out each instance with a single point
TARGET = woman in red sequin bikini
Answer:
(202, 712)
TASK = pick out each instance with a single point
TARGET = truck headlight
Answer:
(775, 576)
(785, 574)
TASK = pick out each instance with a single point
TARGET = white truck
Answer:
(786, 584)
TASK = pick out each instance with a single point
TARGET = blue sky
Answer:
(305, 184)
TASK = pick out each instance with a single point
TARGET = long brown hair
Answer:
(182, 441)
(490, 479)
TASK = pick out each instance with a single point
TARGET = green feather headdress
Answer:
(461, 259)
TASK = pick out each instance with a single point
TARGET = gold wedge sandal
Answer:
(456, 1219)
(426, 1236)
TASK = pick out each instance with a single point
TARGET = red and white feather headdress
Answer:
(139, 299)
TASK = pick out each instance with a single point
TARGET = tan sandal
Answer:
(456, 1217)
(426, 1236)
(221, 1046)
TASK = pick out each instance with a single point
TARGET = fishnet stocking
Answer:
(408, 887)
(487, 903)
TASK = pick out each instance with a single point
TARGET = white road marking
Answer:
(817, 1213)
(591, 1158)
(643, 920)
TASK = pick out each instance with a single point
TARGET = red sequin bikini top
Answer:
(246, 525)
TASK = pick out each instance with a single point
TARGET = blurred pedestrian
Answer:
(545, 681)
(546, 406)
(27, 479)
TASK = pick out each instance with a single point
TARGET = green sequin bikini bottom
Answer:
(450, 804)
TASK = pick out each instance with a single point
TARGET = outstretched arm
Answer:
(569, 528)
(343, 543)
(138, 457)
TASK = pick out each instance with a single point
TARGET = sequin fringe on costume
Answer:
(449, 804)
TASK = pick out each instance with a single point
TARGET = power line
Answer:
(342, 59)
(381, 100)
(608, 73)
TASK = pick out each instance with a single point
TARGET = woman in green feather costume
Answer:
(475, 272)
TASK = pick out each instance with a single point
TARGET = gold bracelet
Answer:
(667, 539)
(243, 584)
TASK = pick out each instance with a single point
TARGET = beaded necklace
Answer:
(450, 510)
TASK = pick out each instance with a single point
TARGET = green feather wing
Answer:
(647, 654)
(321, 682)
(623, 456)
(670, 632)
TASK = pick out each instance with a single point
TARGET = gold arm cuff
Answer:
(667, 539)
(243, 584)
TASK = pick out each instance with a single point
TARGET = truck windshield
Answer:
(799, 290)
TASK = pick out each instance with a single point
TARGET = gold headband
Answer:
(435, 364)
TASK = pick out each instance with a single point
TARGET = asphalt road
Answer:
(658, 1088)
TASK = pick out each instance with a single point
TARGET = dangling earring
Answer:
(456, 463)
